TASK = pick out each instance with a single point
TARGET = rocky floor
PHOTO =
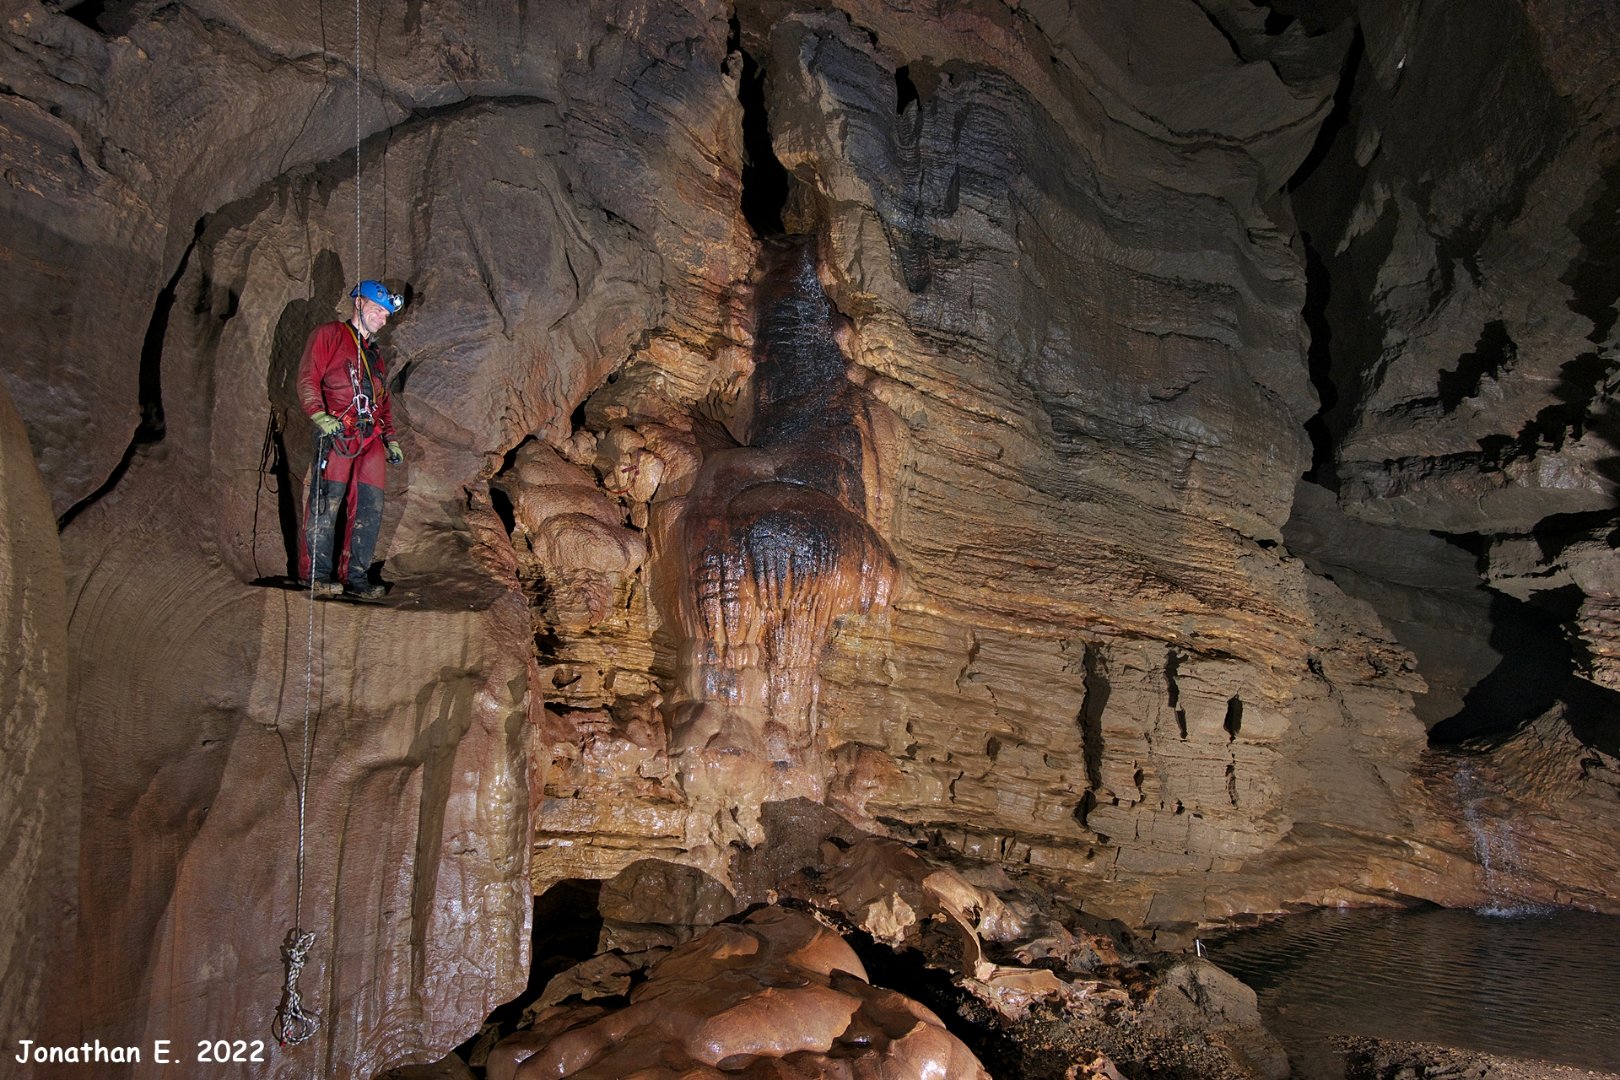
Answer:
(1379, 1059)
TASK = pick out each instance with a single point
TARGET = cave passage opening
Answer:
(765, 183)
(1537, 672)
(564, 932)
(1313, 191)
(109, 17)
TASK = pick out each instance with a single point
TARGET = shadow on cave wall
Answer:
(1536, 673)
(1538, 654)
(289, 449)
(153, 425)
(1534, 669)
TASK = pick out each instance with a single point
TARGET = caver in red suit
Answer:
(342, 386)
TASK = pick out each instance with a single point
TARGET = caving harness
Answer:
(359, 419)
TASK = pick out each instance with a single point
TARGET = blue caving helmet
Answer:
(378, 294)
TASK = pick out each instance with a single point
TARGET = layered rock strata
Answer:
(1060, 384)
(1463, 219)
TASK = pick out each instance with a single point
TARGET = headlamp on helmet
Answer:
(378, 294)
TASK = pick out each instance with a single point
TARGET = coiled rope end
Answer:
(292, 1024)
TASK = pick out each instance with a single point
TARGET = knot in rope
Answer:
(293, 1025)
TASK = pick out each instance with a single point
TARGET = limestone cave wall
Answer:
(1131, 448)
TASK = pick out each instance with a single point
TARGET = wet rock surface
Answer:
(776, 994)
(1378, 1059)
(1022, 980)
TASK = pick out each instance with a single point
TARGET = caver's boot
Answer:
(325, 507)
(363, 541)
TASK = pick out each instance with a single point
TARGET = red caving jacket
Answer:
(323, 377)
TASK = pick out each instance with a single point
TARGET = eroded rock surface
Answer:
(1005, 567)
(775, 995)
(39, 769)
(1464, 219)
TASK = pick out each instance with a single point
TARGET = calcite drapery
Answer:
(778, 542)
(1076, 269)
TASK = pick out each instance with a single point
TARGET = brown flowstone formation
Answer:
(973, 517)
(775, 995)
(775, 545)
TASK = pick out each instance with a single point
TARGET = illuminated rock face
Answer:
(776, 995)
(977, 519)
(776, 544)
(573, 532)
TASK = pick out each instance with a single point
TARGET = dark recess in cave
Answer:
(1594, 275)
(502, 504)
(151, 427)
(1534, 673)
(1338, 118)
(764, 181)
(1493, 354)
(110, 17)
(907, 971)
(1091, 737)
(499, 500)
(1319, 362)
(905, 91)
(1327, 426)
(1234, 718)
(565, 931)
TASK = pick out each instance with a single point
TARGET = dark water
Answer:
(1535, 984)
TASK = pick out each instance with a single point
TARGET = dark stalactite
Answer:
(775, 530)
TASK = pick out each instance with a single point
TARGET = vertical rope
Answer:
(293, 1024)
(309, 693)
(357, 268)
